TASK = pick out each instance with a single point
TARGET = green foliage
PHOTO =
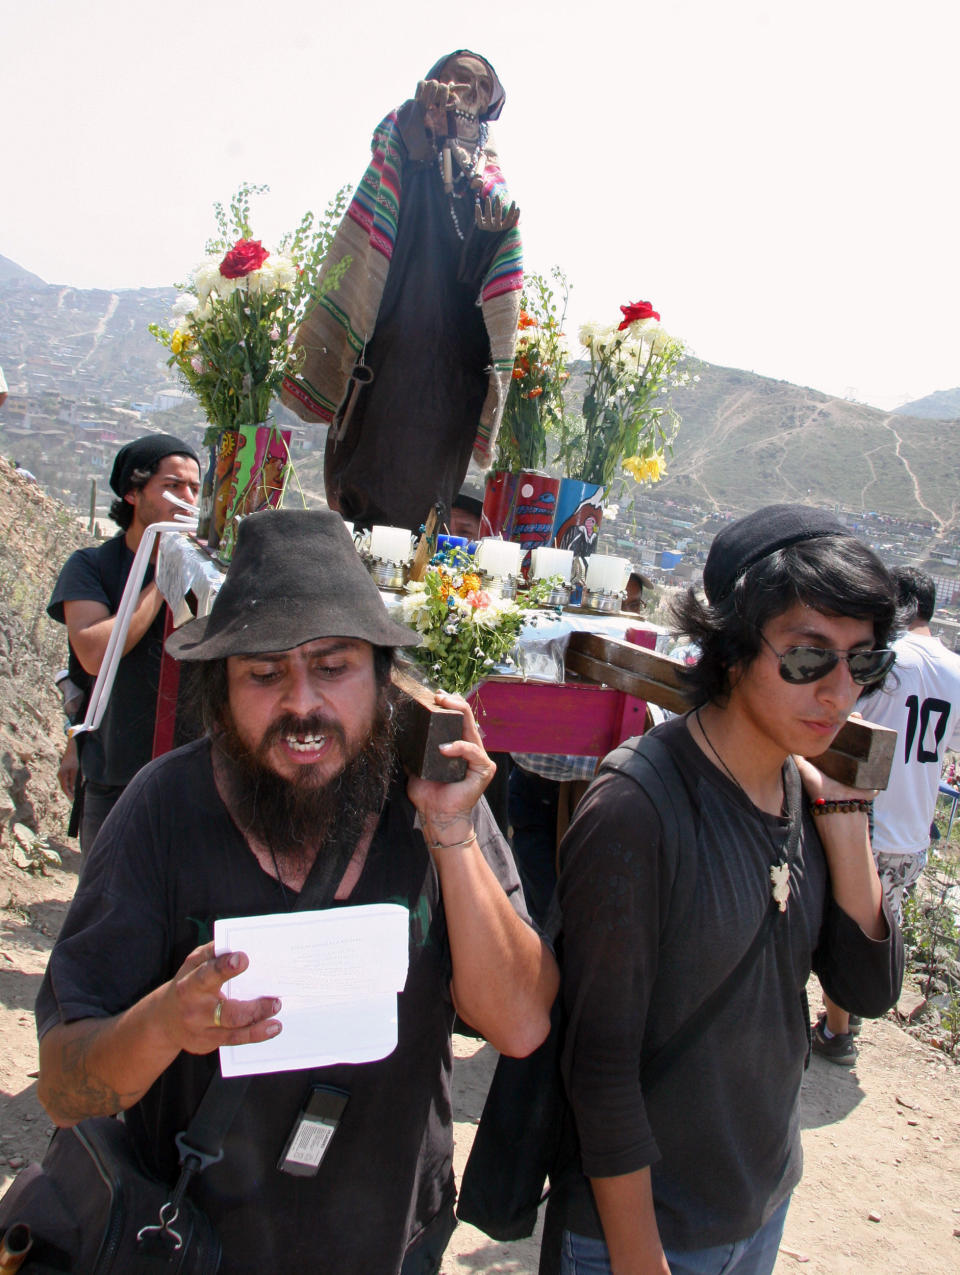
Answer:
(237, 226)
(626, 414)
(232, 338)
(931, 934)
(465, 630)
(535, 406)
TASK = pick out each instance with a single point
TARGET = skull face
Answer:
(474, 92)
(474, 76)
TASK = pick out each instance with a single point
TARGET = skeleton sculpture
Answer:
(410, 359)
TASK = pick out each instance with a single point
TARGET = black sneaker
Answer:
(838, 1049)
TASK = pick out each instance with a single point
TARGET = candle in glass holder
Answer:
(607, 574)
(390, 544)
(546, 562)
(499, 557)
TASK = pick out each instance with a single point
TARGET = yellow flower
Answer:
(649, 470)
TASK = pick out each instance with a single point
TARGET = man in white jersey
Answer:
(921, 702)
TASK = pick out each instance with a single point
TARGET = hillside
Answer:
(37, 534)
(747, 440)
(10, 272)
(940, 405)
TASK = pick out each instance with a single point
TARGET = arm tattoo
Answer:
(80, 1092)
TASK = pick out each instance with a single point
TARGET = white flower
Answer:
(607, 339)
(587, 332)
(281, 272)
(225, 288)
(206, 277)
(183, 307)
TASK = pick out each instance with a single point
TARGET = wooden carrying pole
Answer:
(860, 755)
(423, 726)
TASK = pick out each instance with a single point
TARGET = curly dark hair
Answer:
(836, 575)
(121, 511)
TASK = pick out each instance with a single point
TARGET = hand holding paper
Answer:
(337, 973)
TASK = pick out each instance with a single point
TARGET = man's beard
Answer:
(299, 818)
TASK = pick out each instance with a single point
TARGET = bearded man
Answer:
(409, 361)
(296, 780)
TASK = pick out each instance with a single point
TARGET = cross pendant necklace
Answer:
(779, 872)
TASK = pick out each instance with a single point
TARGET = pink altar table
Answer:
(569, 718)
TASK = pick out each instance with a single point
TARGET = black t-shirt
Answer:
(113, 754)
(170, 860)
(650, 929)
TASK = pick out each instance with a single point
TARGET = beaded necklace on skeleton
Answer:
(779, 872)
(469, 174)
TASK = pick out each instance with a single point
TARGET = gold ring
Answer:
(217, 1012)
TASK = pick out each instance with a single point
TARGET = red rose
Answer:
(637, 310)
(244, 257)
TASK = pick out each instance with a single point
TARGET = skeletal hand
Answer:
(432, 94)
(494, 215)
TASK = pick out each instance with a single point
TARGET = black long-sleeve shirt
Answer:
(651, 927)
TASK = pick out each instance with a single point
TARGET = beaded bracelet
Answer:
(856, 805)
(452, 845)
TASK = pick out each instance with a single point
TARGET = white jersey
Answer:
(921, 703)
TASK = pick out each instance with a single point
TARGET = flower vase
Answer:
(206, 495)
(534, 510)
(260, 469)
(222, 485)
(520, 507)
(577, 525)
(498, 497)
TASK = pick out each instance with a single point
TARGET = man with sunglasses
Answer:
(707, 871)
(922, 703)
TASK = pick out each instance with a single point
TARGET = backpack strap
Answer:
(651, 765)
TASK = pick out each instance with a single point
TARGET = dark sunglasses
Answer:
(802, 664)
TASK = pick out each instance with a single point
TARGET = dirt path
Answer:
(881, 1140)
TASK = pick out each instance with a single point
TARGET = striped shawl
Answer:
(332, 335)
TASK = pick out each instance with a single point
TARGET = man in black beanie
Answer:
(709, 868)
(86, 599)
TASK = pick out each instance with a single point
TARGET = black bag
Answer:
(93, 1210)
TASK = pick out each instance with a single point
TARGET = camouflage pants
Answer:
(898, 873)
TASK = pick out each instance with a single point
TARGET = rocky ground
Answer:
(881, 1190)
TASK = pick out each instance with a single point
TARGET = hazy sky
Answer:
(778, 179)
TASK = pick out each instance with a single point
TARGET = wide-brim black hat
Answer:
(295, 576)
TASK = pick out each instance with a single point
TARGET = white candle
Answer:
(551, 562)
(606, 574)
(390, 544)
(499, 557)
